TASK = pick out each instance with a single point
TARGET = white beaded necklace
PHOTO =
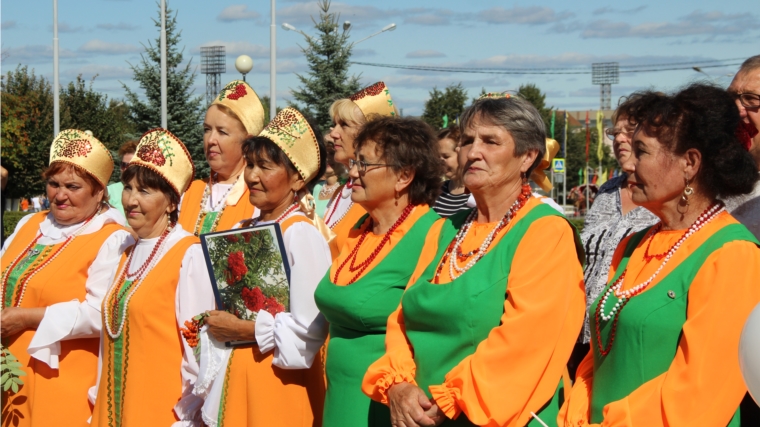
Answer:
(136, 282)
(454, 270)
(623, 296)
(221, 205)
(45, 263)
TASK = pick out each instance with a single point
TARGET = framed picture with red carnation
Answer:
(249, 271)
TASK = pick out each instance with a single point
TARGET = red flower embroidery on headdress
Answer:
(375, 89)
(745, 132)
(74, 148)
(238, 93)
(151, 153)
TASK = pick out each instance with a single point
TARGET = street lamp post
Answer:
(273, 64)
(389, 27)
(164, 103)
(244, 64)
(56, 90)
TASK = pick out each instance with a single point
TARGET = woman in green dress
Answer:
(396, 179)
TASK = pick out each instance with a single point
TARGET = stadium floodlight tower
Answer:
(213, 65)
(605, 74)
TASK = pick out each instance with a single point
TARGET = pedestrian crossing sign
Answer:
(558, 165)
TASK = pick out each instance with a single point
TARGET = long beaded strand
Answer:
(453, 253)
(624, 296)
(28, 277)
(335, 208)
(367, 262)
(222, 203)
(117, 295)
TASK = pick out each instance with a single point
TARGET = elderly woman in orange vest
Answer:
(147, 370)
(490, 315)
(57, 266)
(219, 202)
(349, 115)
(279, 380)
(665, 330)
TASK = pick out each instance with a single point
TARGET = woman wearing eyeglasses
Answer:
(349, 115)
(396, 179)
(221, 201)
(612, 217)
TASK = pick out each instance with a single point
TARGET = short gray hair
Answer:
(518, 116)
(750, 64)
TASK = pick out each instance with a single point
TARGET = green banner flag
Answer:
(554, 117)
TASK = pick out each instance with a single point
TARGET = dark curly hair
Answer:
(407, 144)
(254, 146)
(704, 117)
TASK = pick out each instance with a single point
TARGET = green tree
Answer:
(449, 102)
(328, 55)
(531, 93)
(184, 110)
(27, 129)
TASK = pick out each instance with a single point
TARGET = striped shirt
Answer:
(448, 204)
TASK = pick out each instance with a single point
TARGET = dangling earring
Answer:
(688, 191)
(397, 197)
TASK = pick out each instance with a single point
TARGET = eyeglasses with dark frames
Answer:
(612, 133)
(361, 165)
(748, 99)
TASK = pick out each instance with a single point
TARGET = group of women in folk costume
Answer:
(467, 320)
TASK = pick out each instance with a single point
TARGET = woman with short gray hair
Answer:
(489, 318)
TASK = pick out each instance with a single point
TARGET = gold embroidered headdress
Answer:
(83, 151)
(163, 153)
(538, 175)
(292, 133)
(239, 97)
(374, 100)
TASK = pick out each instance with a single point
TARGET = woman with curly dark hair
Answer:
(396, 178)
(665, 330)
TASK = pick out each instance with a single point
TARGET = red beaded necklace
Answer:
(338, 197)
(353, 267)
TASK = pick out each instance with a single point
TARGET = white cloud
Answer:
(107, 48)
(533, 15)
(425, 54)
(34, 54)
(608, 10)
(237, 12)
(428, 19)
(696, 23)
(63, 27)
(120, 26)
(7, 25)
(104, 72)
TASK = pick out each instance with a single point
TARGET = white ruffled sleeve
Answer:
(194, 296)
(75, 319)
(297, 336)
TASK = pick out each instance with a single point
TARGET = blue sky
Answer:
(103, 36)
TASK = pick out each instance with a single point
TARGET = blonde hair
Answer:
(346, 111)
(228, 111)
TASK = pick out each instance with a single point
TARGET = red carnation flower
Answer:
(236, 267)
(231, 238)
(253, 299)
(273, 306)
(745, 132)
(247, 237)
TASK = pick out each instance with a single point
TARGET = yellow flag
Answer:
(600, 134)
(603, 177)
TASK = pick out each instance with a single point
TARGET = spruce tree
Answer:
(185, 111)
(328, 55)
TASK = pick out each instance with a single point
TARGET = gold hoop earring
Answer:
(688, 191)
